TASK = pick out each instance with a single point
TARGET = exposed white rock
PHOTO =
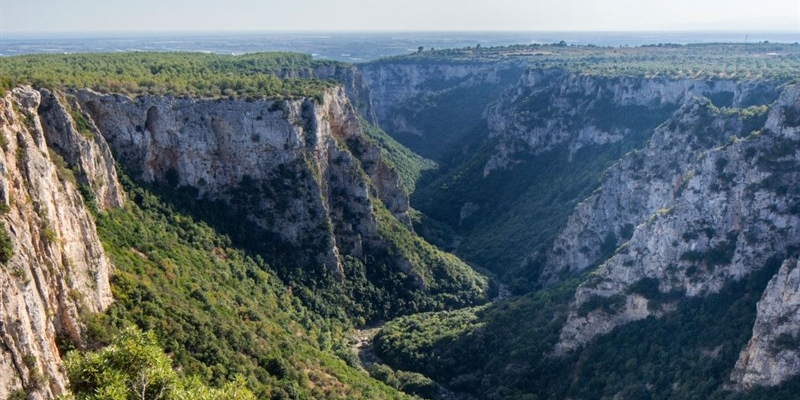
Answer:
(317, 149)
(708, 203)
(58, 270)
(549, 108)
(87, 152)
(772, 355)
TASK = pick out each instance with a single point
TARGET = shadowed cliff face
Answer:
(550, 108)
(709, 196)
(771, 356)
(294, 149)
(58, 270)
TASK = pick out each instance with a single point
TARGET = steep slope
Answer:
(730, 208)
(313, 189)
(502, 130)
(54, 269)
(219, 312)
(436, 107)
(666, 259)
(548, 139)
(523, 133)
(281, 164)
(771, 356)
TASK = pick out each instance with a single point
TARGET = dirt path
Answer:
(362, 345)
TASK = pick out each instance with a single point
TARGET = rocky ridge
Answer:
(301, 170)
(771, 356)
(58, 271)
(298, 149)
(552, 107)
(724, 213)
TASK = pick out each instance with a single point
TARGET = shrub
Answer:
(6, 245)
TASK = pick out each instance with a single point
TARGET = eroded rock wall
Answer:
(297, 153)
(58, 271)
(724, 208)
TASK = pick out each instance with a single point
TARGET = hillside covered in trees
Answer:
(534, 222)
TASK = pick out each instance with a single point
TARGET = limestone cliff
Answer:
(772, 356)
(355, 86)
(83, 148)
(58, 270)
(641, 184)
(296, 149)
(301, 170)
(722, 199)
(552, 107)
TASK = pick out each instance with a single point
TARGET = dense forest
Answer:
(174, 74)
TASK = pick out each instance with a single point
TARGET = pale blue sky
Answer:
(30, 16)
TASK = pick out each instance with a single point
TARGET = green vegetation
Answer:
(755, 61)
(221, 314)
(506, 219)
(720, 254)
(400, 275)
(406, 163)
(481, 351)
(409, 382)
(81, 122)
(135, 367)
(176, 74)
(447, 280)
(521, 209)
(504, 351)
(6, 245)
(242, 313)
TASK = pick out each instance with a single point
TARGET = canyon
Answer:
(643, 192)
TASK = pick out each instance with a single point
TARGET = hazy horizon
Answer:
(73, 34)
(354, 46)
(54, 16)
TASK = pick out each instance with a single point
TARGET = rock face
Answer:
(354, 84)
(553, 107)
(82, 147)
(399, 90)
(301, 170)
(58, 270)
(298, 151)
(711, 198)
(772, 355)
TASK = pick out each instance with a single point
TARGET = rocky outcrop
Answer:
(82, 147)
(773, 355)
(641, 184)
(291, 159)
(54, 269)
(303, 172)
(288, 160)
(725, 206)
(354, 84)
(553, 107)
